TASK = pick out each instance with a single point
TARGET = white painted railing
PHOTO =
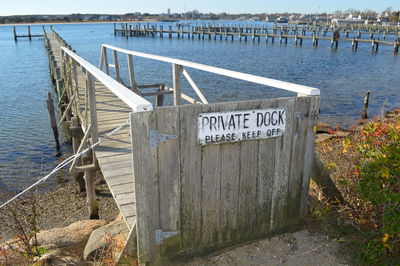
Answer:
(70, 62)
(178, 67)
(134, 101)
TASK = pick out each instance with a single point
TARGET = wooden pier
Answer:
(29, 35)
(256, 34)
(184, 185)
(114, 157)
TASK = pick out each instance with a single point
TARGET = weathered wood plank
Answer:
(230, 174)
(265, 178)
(190, 178)
(128, 210)
(248, 187)
(114, 180)
(309, 153)
(302, 112)
(169, 169)
(125, 198)
(118, 189)
(118, 172)
(145, 167)
(283, 147)
(210, 190)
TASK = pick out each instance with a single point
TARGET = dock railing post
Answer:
(92, 106)
(116, 66)
(176, 78)
(104, 60)
(131, 74)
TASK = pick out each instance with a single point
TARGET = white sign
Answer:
(240, 125)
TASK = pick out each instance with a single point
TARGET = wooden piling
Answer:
(372, 45)
(53, 122)
(15, 34)
(284, 33)
(75, 131)
(29, 33)
(364, 114)
(89, 175)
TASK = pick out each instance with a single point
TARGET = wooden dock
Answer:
(114, 156)
(185, 185)
(281, 34)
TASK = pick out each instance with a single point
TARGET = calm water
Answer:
(343, 76)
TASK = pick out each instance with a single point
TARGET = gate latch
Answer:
(160, 235)
(156, 137)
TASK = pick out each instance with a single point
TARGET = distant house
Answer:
(104, 18)
(271, 18)
(87, 18)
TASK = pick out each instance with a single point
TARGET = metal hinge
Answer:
(298, 127)
(160, 235)
(156, 138)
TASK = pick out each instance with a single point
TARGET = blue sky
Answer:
(23, 7)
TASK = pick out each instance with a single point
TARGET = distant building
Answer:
(338, 21)
(104, 18)
(169, 12)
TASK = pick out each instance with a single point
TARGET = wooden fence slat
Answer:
(297, 158)
(282, 165)
(190, 153)
(265, 178)
(230, 174)
(248, 187)
(169, 169)
(146, 184)
(308, 154)
(210, 191)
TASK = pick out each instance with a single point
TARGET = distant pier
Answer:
(29, 35)
(376, 35)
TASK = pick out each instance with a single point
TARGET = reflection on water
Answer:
(343, 76)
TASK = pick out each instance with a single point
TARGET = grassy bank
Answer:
(365, 166)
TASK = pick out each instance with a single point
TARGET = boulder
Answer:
(72, 238)
(323, 127)
(323, 137)
(112, 235)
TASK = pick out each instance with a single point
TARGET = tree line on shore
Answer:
(391, 15)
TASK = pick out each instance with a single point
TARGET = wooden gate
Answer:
(192, 199)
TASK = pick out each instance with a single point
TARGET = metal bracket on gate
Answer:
(160, 235)
(298, 128)
(156, 138)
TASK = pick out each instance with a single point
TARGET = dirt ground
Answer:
(300, 248)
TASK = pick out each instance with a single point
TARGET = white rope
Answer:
(63, 164)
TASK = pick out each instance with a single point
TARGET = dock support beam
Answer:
(52, 115)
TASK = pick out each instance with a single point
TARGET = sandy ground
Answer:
(300, 248)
